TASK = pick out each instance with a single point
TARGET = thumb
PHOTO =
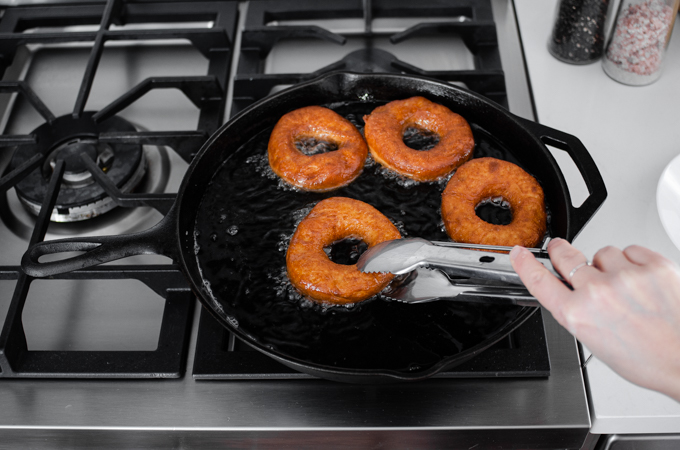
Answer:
(543, 285)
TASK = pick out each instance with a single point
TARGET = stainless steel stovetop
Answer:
(102, 318)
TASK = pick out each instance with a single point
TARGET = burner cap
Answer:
(65, 139)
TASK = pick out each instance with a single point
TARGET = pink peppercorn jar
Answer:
(637, 44)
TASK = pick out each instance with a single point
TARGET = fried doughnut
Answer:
(321, 171)
(331, 220)
(484, 179)
(385, 128)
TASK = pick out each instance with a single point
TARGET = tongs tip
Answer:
(373, 261)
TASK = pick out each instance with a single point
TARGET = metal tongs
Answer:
(449, 271)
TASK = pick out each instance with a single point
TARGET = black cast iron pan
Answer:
(232, 219)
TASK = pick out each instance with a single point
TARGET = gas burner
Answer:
(71, 139)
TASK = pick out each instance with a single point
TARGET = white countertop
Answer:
(632, 133)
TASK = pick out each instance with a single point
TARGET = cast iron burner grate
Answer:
(207, 93)
(476, 28)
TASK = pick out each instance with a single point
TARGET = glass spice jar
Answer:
(637, 45)
(579, 30)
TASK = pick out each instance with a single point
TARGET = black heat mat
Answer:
(221, 356)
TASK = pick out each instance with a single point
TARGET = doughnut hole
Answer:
(496, 211)
(309, 145)
(346, 251)
(419, 138)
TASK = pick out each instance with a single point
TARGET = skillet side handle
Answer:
(597, 191)
(159, 240)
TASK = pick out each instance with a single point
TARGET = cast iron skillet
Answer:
(229, 226)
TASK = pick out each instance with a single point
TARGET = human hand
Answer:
(625, 307)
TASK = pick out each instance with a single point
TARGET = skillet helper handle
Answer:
(586, 165)
(159, 240)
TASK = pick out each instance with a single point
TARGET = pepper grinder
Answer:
(637, 45)
(578, 33)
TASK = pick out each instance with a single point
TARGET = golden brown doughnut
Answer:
(385, 128)
(487, 178)
(323, 171)
(331, 220)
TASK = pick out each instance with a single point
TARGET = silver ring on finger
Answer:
(575, 269)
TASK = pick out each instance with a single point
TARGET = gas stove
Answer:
(103, 107)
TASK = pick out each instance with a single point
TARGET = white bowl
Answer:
(668, 200)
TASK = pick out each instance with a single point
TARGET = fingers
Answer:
(570, 263)
(550, 291)
(611, 259)
(641, 255)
